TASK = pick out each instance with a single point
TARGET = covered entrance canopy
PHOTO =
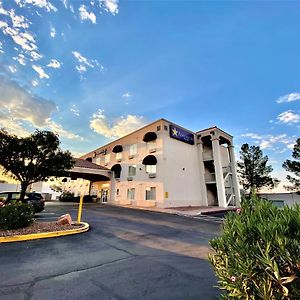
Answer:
(87, 170)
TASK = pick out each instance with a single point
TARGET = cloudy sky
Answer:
(96, 70)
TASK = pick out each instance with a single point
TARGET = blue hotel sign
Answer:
(181, 135)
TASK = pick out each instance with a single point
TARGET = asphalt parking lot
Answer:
(127, 254)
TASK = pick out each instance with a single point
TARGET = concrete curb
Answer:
(44, 235)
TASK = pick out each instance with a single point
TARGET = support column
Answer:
(202, 175)
(234, 176)
(112, 196)
(219, 172)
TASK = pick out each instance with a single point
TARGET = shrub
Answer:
(16, 215)
(66, 197)
(258, 254)
(69, 197)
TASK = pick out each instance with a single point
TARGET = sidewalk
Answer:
(185, 211)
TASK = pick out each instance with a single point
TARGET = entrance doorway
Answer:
(104, 196)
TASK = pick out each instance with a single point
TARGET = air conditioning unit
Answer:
(129, 178)
(152, 175)
(131, 156)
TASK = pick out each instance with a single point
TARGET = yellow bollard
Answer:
(80, 209)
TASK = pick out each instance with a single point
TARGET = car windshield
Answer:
(35, 196)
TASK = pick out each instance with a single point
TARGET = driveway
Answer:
(127, 254)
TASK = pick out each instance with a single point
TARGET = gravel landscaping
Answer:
(38, 227)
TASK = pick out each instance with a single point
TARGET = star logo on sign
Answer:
(175, 132)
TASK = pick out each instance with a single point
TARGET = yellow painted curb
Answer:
(44, 235)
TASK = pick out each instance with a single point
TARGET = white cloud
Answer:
(57, 128)
(21, 105)
(83, 62)
(40, 71)
(39, 3)
(116, 128)
(275, 142)
(21, 110)
(54, 64)
(74, 110)
(35, 55)
(12, 69)
(288, 117)
(252, 136)
(85, 15)
(34, 82)
(20, 59)
(111, 6)
(81, 69)
(126, 95)
(52, 32)
(17, 27)
(289, 98)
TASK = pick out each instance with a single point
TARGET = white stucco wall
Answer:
(181, 173)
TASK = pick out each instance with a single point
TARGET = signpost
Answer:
(80, 209)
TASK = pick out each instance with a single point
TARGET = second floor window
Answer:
(132, 170)
(118, 155)
(133, 149)
(107, 158)
(151, 169)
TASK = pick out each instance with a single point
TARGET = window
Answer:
(278, 203)
(15, 196)
(132, 170)
(166, 127)
(151, 193)
(98, 160)
(130, 194)
(151, 169)
(118, 192)
(133, 149)
(118, 155)
(3, 197)
(158, 128)
(107, 158)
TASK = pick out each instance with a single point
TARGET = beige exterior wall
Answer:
(180, 171)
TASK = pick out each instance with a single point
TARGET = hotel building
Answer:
(165, 165)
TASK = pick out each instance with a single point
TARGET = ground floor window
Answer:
(151, 193)
(151, 169)
(130, 194)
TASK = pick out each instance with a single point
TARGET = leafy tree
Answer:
(253, 169)
(33, 158)
(293, 166)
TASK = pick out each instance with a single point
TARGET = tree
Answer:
(34, 158)
(253, 169)
(293, 166)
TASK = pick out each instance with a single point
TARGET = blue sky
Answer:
(94, 70)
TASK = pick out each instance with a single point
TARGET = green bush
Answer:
(69, 197)
(66, 197)
(16, 215)
(258, 254)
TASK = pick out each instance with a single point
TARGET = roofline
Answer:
(161, 119)
(214, 127)
(106, 145)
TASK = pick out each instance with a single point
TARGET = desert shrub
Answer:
(16, 215)
(257, 255)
